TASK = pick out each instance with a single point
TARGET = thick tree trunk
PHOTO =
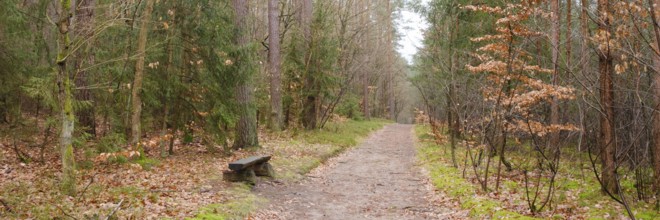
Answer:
(65, 97)
(136, 101)
(85, 30)
(275, 65)
(607, 136)
(246, 127)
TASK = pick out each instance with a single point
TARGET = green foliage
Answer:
(350, 107)
(111, 143)
(146, 163)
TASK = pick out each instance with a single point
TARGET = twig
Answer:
(65, 213)
(115, 209)
(7, 207)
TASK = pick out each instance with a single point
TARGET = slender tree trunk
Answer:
(607, 138)
(246, 127)
(390, 62)
(585, 60)
(655, 16)
(136, 101)
(65, 97)
(275, 65)
(310, 110)
(569, 31)
(554, 105)
(365, 5)
(85, 30)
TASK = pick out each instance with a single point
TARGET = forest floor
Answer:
(184, 185)
(377, 180)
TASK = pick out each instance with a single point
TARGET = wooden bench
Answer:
(247, 169)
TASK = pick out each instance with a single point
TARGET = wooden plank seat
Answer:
(247, 169)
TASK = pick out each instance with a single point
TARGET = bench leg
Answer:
(264, 169)
(247, 175)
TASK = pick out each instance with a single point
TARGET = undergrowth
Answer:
(578, 193)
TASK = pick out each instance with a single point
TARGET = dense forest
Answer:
(535, 90)
(94, 79)
(538, 95)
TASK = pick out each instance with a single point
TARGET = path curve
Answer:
(376, 180)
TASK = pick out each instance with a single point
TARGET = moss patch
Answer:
(450, 181)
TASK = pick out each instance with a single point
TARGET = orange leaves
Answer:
(484, 8)
(513, 91)
(539, 129)
(106, 156)
(492, 66)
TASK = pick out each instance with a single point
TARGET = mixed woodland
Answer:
(129, 108)
(558, 100)
(89, 85)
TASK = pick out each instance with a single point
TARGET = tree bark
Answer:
(275, 65)
(655, 16)
(246, 127)
(390, 61)
(136, 101)
(65, 98)
(554, 105)
(569, 24)
(85, 30)
(365, 22)
(607, 136)
(310, 87)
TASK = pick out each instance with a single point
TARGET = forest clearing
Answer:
(329, 109)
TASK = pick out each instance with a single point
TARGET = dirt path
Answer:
(376, 180)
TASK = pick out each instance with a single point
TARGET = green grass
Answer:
(450, 181)
(146, 163)
(575, 181)
(240, 204)
(344, 134)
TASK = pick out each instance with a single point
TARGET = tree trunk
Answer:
(275, 65)
(656, 87)
(246, 127)
(65, 98)
(364, 21)
(607, 137)
(390, 62)
(310, 88)
(136, 101)
(569, 31)
(554, 105)
(85, 30)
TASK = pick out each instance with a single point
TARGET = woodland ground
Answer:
(577, 194)
(376, 180)
(384, 177)
(187, 184)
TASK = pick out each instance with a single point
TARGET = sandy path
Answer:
(376, 180)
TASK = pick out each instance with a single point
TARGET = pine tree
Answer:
(274, 65)
(136, 87)
(246, 127)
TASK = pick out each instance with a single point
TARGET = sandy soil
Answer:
(376, 180)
